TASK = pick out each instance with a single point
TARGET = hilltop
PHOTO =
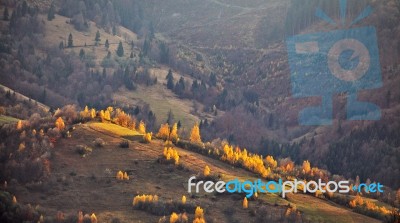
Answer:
(88, 184)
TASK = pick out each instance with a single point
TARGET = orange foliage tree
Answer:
(171, 153)
(163, 132)
(206, 171)
(195, 134)
(60, 124)
(142, 128)
(252, 162)
(271, 162)
(306, 167)
(174, 133)
(245, 203)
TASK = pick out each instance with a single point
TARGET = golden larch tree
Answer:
(147, 137)
(19, 125)
(245, 203)
(60, 124)
(163, 132)
(183, 199)
(107, 115)
(174, 133)
(206, 171)
(142, 128)
(93, 218)
(92, 113)
(199, 212)
(306, 167)
(174, 218)
(195, 134)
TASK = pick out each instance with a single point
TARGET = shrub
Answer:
(122, 175)
(154, 205)
(199, 215)
(124, 144)
(99, 142)
(206, 171)
(170, 153)
(83, 150)
(147, 137)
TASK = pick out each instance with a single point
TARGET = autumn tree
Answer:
(60, 124)
(245, 203)
(306, 167)
(199, 212)
(147, 137)
(92, 113)
(142, 128)
(93, 218)
(271, 162)
(183, 199)
(164, 132)
(85, 113)
(19, 125)
(173, 136)
(195, 134)
(174, 218)
(206, 171)
(107, 115)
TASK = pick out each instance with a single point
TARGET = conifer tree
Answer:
(120, 50)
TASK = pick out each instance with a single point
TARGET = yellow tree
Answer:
(92, 113)
(101, 114)
(183, 199)
(60, 124)
(199, 212)
(245, 203)
(174, 218)
(142, 128)
(206, 171)
(195, 134)
(85, 113)
(19, 125)
(93, 218)
(147, 137)
(174, 133)
(163, 133)
(306, 167)
(107, 115)
(271, 162)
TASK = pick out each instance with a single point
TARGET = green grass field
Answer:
(161, 101)
(7, 120)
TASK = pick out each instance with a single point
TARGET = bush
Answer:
(83, 150)
(156, 206)
(99, 142)
(124, 144)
